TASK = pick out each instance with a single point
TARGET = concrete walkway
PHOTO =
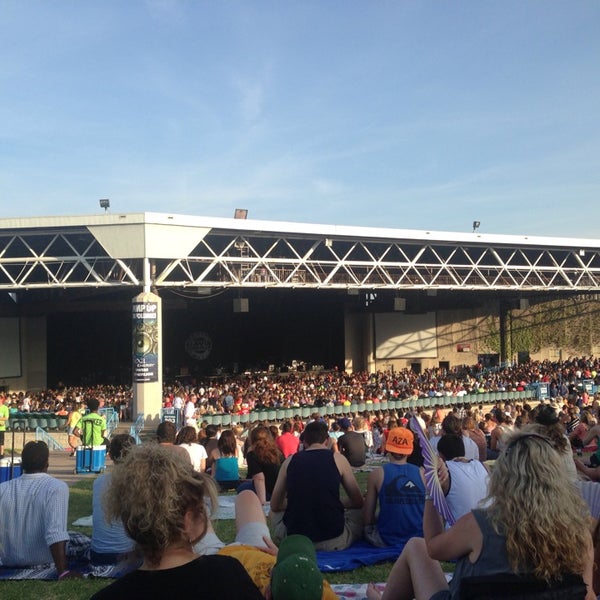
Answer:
(62, 466)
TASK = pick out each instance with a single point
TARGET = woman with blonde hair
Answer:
(162, 503)
(534, 524)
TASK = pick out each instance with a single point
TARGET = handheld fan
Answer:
(430, 466)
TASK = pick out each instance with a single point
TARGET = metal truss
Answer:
(293, 262)
(71, 257)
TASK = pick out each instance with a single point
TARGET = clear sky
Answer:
(409, 114)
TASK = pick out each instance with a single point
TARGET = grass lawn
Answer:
(80, 505)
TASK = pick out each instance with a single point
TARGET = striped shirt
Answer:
(33, 516)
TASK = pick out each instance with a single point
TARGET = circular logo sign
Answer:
(198, 345)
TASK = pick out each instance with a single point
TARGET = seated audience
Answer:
(210, 443)
(352, 444)
(547, 422)
(187, 438)
(225, 469)
(399, 490)
(306, 499)
(452, 425)
(467, 481)
(287, 442)
(110, 542)
(33, 515)
(593, 434)
(162, 503)
(276, 574)
(498, 433)
(535, 523)
(472, 431)
(263, 459)
(578, 433)
(166, 435)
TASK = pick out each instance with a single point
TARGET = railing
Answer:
(136, 429)
(44, 436)
(112, 420)
(338, 410)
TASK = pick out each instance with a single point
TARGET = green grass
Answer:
(80, 505)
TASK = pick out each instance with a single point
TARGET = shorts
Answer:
(353, 530)
(1, 438)
(250, 534)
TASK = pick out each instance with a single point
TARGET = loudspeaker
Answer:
(399, 303)
(241, 305)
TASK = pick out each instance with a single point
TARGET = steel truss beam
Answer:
(72, 257)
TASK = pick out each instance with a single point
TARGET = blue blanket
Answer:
(360, 554)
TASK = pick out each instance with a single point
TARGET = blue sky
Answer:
(417, 115)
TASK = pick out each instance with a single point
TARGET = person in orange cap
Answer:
(399, 487)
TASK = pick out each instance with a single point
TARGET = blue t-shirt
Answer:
(107, 536)
(227, 468)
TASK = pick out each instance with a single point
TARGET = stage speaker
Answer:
(399, 303)
(241, 305)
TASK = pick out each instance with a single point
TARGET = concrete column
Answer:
(147, 357)
(358, 341)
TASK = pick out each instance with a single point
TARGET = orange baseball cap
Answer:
(400, 441)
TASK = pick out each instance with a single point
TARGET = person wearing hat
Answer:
(399, 488)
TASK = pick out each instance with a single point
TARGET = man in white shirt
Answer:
(189, 417)
(33, 515)
(178, 405)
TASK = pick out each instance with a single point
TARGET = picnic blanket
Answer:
(48, 571)
(225, 510)
(353, 591)
(78, 557)
(360, 554)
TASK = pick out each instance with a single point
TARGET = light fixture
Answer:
(240, 213)
(476, 225)
(328, 242)
(105, 204)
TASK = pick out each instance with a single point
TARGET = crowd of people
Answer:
(242, 393)
(532, 514)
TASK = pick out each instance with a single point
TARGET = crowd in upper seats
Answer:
(235, 394)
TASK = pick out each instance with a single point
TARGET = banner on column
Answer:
(145, 342)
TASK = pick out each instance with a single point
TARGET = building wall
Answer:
(460, 339)
(33, 357)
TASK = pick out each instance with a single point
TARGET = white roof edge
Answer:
(312, 229)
